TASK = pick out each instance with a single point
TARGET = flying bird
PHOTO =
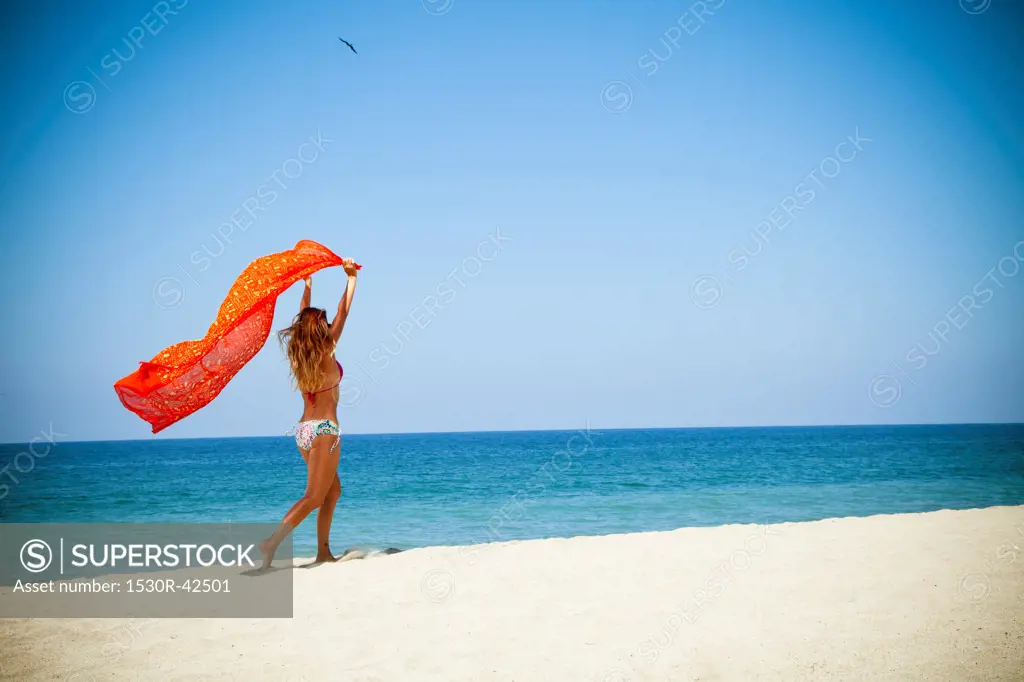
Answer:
(349, 44)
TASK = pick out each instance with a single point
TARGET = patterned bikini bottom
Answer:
(305, 432)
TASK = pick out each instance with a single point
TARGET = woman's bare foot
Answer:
(267, 549)
(324, 556)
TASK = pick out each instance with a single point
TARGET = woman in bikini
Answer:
(309, 343)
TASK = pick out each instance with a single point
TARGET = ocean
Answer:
(415, 490)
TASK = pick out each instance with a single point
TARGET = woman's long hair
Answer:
(305, 343)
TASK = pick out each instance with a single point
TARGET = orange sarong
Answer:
(186, 376)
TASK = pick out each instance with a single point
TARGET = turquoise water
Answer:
(456, 488)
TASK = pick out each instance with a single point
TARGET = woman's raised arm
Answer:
(346, 299)
(307, 294)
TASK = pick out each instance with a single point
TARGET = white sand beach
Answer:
(935, 596)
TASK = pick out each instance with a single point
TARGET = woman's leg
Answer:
(322, 467)
(324, 516)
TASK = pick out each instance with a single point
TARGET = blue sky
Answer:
(627, 157)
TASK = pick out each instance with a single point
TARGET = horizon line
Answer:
(616, 428)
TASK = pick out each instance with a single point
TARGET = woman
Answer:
(310, 344)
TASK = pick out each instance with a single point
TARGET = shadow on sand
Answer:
(352, 554)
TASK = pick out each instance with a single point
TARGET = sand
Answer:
(936, 596)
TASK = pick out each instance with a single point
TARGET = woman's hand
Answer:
(350, 266)
(308, 281)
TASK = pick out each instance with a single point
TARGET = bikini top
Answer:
(312, 394)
